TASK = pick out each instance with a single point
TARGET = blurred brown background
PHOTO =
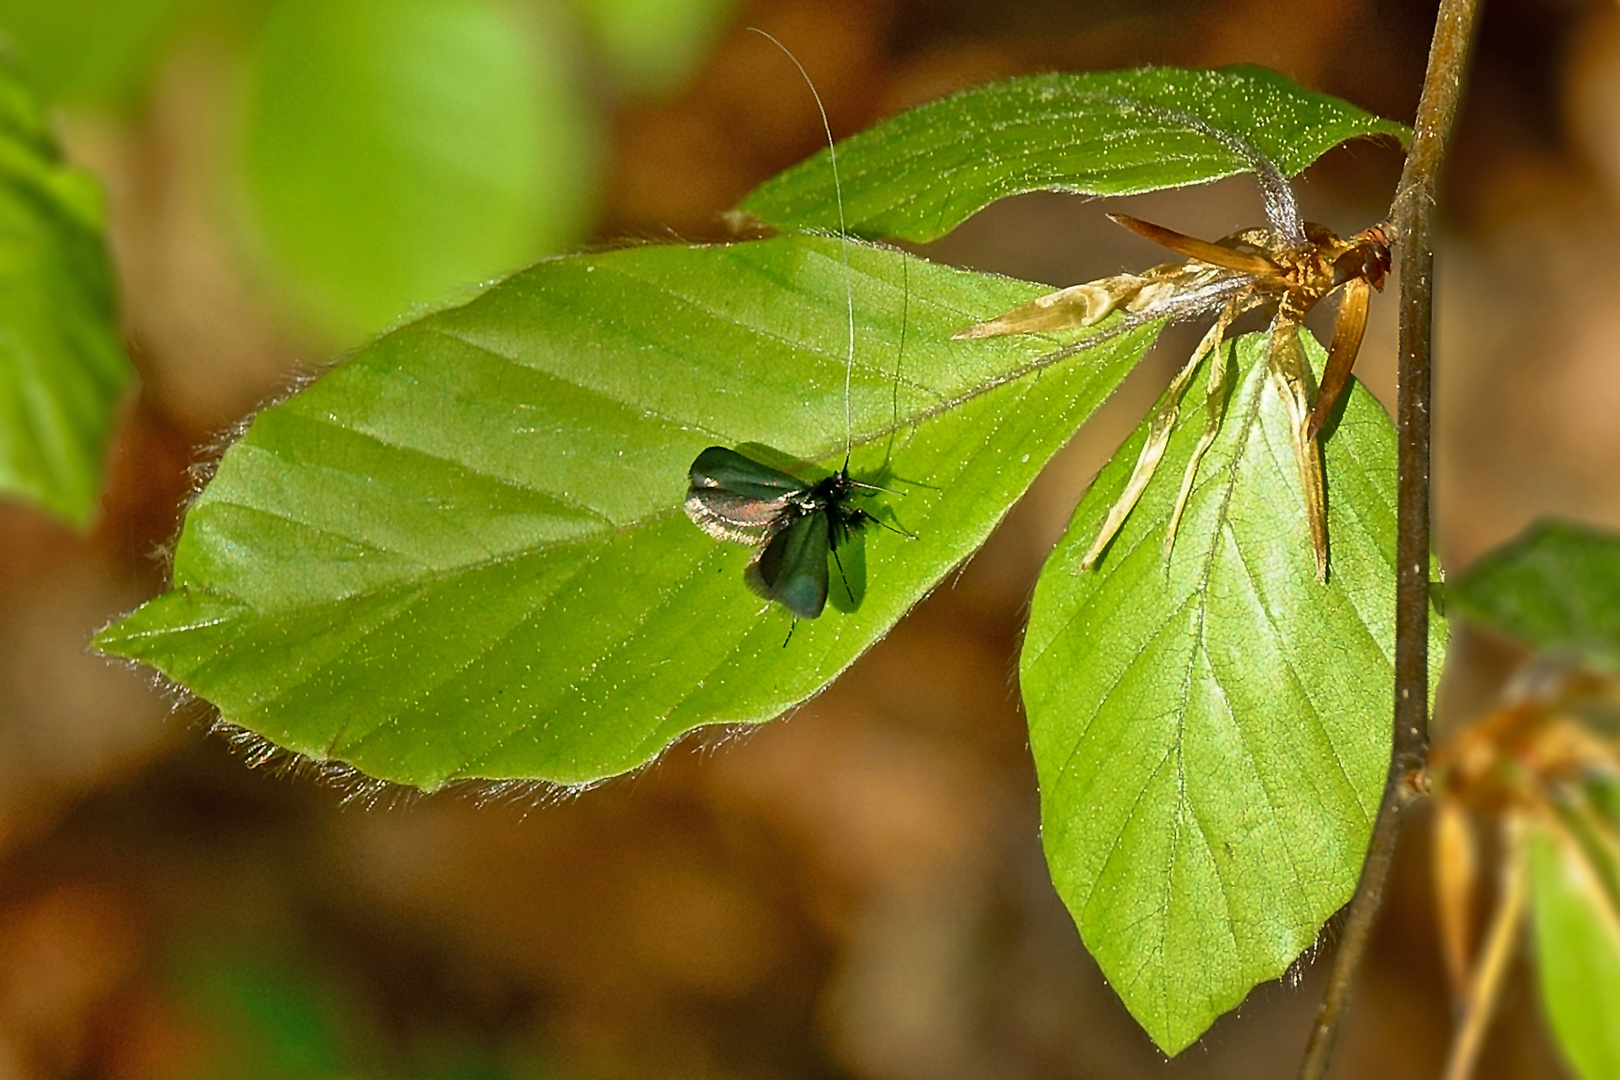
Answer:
(858, 890)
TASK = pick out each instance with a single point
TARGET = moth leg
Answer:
(1292, 377)
(1160, 428)
(1220, 381)
(848, 591)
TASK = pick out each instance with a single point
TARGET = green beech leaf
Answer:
(400, 151)
(62, 363)
(922, 173)
(462, 553)
(1556, 588)
(1577, 942)
(1211, 732)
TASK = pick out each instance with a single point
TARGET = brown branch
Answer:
(1413, 226)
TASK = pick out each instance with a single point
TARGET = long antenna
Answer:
(843, 248)
(905, 318)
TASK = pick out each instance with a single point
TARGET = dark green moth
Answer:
(797, 525)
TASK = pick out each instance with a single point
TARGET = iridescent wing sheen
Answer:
(735, 498)
(722, 467)
(792, 568)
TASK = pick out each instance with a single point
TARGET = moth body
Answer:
(795, 525)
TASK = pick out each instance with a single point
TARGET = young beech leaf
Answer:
(922, 173)
(62, 363)
(1211, 728)
(463, 554)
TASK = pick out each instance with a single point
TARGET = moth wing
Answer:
(1076, 306)
(722, 467)
(741, 519)
(735, 498)
(792, 568)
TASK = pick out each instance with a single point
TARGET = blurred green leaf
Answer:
(462, 553)
(922, 173)
(652, 45)
(1555, 588)
(1577, 939)
(401, 151)
(266, 1004)
(270, 1011)
(100, 51)
(1211, 731)
(62, 363)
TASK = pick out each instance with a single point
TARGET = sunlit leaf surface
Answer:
(462, 553)
(1211, 730)
(62, 363)
(922, 173)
